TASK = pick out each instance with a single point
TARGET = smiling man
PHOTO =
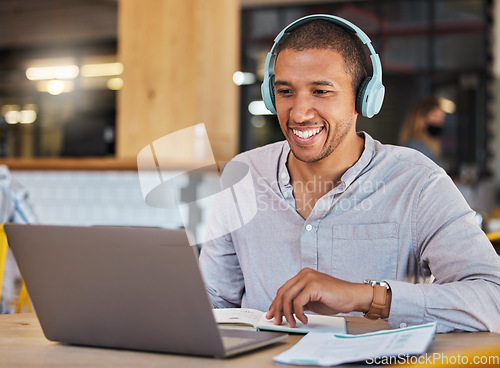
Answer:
(315, 103)
(345, 224)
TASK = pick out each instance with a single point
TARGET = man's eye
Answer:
(283, 91)
(320, 92)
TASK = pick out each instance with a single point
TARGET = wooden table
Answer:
(22, 344)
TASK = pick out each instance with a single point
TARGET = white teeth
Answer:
(306, 133)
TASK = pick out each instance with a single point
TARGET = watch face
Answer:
(374, 282)
(383, 283)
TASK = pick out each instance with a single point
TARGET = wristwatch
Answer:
(379, 302)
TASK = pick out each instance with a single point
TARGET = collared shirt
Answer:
(395, 216)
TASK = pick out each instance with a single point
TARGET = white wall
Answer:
(92, 198)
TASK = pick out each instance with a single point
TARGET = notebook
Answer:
(123, 287)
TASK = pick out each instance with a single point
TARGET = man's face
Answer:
(315, 101)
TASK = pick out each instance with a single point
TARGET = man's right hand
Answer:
(319, 293)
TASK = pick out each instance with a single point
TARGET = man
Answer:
(336, 208)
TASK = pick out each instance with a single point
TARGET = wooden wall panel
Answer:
(179, 58)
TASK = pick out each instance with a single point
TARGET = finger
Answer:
(274, 312)
(302, 317)
(289, 302)
(301, 302)
(299, 310)
(288, 312)
(276, 309)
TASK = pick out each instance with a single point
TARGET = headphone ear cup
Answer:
(267, 91)
(361, 97)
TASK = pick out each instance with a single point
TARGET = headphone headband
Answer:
(371, 93)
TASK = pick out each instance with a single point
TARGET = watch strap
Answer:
(379, 302)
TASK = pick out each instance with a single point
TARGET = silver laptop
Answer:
(123, 287)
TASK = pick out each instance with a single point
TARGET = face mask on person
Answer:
(434, 130)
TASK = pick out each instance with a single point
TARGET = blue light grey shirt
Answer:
(395, 216)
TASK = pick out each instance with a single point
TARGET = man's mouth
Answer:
(305, 134)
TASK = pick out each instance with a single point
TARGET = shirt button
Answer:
(285, 194)
(309, 227)
(283, 175)
(402, 325)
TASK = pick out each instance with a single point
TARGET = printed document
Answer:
(327, 349)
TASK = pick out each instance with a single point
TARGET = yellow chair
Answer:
(4, 248)
(494, 236)
(23, 303)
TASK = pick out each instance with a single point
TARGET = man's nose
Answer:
(302, 110)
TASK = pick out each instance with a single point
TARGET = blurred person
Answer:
(423, 127)
(14, 207)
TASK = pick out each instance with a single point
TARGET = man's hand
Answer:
(319, 293)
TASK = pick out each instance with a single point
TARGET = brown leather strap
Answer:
(378, 303)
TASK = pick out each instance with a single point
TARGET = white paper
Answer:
(327, 349)
(315, 323)
(256, 318)
(237, 315)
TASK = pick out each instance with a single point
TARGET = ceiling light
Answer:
(55, 87)
(258, 108)
(52, 72)
(244, 78)
(448, 106)
(23, 116)
(27, 116)
(12, 117)
(101, 70)
(114, 84)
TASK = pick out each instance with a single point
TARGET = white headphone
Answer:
(370, 95)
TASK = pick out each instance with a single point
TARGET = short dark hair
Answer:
(323, 34)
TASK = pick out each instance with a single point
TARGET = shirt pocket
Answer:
(365, 251)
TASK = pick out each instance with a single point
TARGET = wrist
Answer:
(364, 298)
